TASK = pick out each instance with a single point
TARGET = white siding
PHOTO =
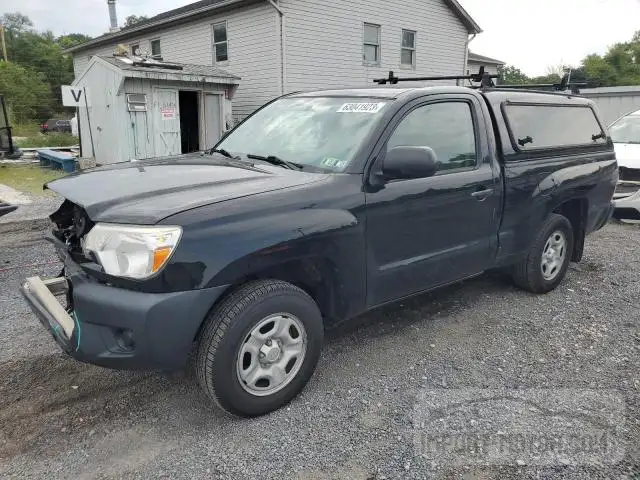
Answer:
(254, 51)
(106, 116)
(324, 41)
(120, 135)
(81, 60)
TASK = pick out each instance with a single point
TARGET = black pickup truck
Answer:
(318, 207)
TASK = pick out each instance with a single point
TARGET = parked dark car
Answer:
(56, 125)
(318, 207)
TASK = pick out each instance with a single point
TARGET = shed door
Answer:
(167, 113)
(212, 115)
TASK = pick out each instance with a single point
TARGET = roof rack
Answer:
(485, 80)
(558, 87)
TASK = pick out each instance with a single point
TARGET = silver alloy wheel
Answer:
(553, 255)
(271, 354)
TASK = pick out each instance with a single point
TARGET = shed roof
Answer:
(474, 57)
(136, 67)
(154, 66)
(204, 6)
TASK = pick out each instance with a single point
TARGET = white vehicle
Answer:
(625, 133)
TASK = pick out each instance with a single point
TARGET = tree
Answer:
(619, 66)
(513, 76)
(16, 22)
(72, 39)
(133, 19)
(41, 53)
(27, 94)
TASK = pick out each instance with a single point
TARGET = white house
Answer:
(281, 46)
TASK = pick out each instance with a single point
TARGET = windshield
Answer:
(626, 130)
(317, 132)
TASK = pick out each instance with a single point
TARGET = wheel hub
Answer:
(553, 255)
(271, 355)
(270, 352)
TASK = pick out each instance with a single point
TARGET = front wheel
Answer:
(259, 347)
(547, 261)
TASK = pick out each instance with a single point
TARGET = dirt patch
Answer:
(52, 395)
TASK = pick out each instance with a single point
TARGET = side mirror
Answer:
(409, 162)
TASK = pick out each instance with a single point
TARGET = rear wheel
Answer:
(259, 347)
(547, 261)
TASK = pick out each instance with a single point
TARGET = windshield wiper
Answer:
(222, 151)
(273, 160)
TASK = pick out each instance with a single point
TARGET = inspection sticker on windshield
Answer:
(361, 108)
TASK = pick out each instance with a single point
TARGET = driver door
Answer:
(426, 232)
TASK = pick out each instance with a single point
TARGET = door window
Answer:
(445, 127)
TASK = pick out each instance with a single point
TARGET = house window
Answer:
(371, 53)
(135, 49)
(220, 44)
(408, 50)
(155, 48)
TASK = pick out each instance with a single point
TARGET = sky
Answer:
(531, 35)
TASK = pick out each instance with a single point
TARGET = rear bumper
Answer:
(118, 328)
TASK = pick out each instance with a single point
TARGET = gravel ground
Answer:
(30, 207)
(479, 360)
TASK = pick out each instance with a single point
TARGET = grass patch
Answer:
(50, 140)
(25, 130)
(28, 178)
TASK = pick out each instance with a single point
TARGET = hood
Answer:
(145, 192)
(628, 155)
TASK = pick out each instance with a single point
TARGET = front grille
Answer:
(71, 224)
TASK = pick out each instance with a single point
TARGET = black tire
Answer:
(528, 273)
(225, 331)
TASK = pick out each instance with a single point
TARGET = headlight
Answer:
(130, 251)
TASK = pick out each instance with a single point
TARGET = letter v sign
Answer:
(74, 96)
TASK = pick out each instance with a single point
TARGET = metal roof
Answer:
(474, 57)
(186, 68)
(171, 71)
(204, 6)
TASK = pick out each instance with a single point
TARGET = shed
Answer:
(142, 108)
(614, 102)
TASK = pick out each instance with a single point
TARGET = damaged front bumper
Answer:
(115, 327)
(41, 296)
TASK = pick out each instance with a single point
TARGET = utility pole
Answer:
(4, 45)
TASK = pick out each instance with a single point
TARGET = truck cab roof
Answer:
(495, 95)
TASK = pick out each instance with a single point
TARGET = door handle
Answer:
(482, 194)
